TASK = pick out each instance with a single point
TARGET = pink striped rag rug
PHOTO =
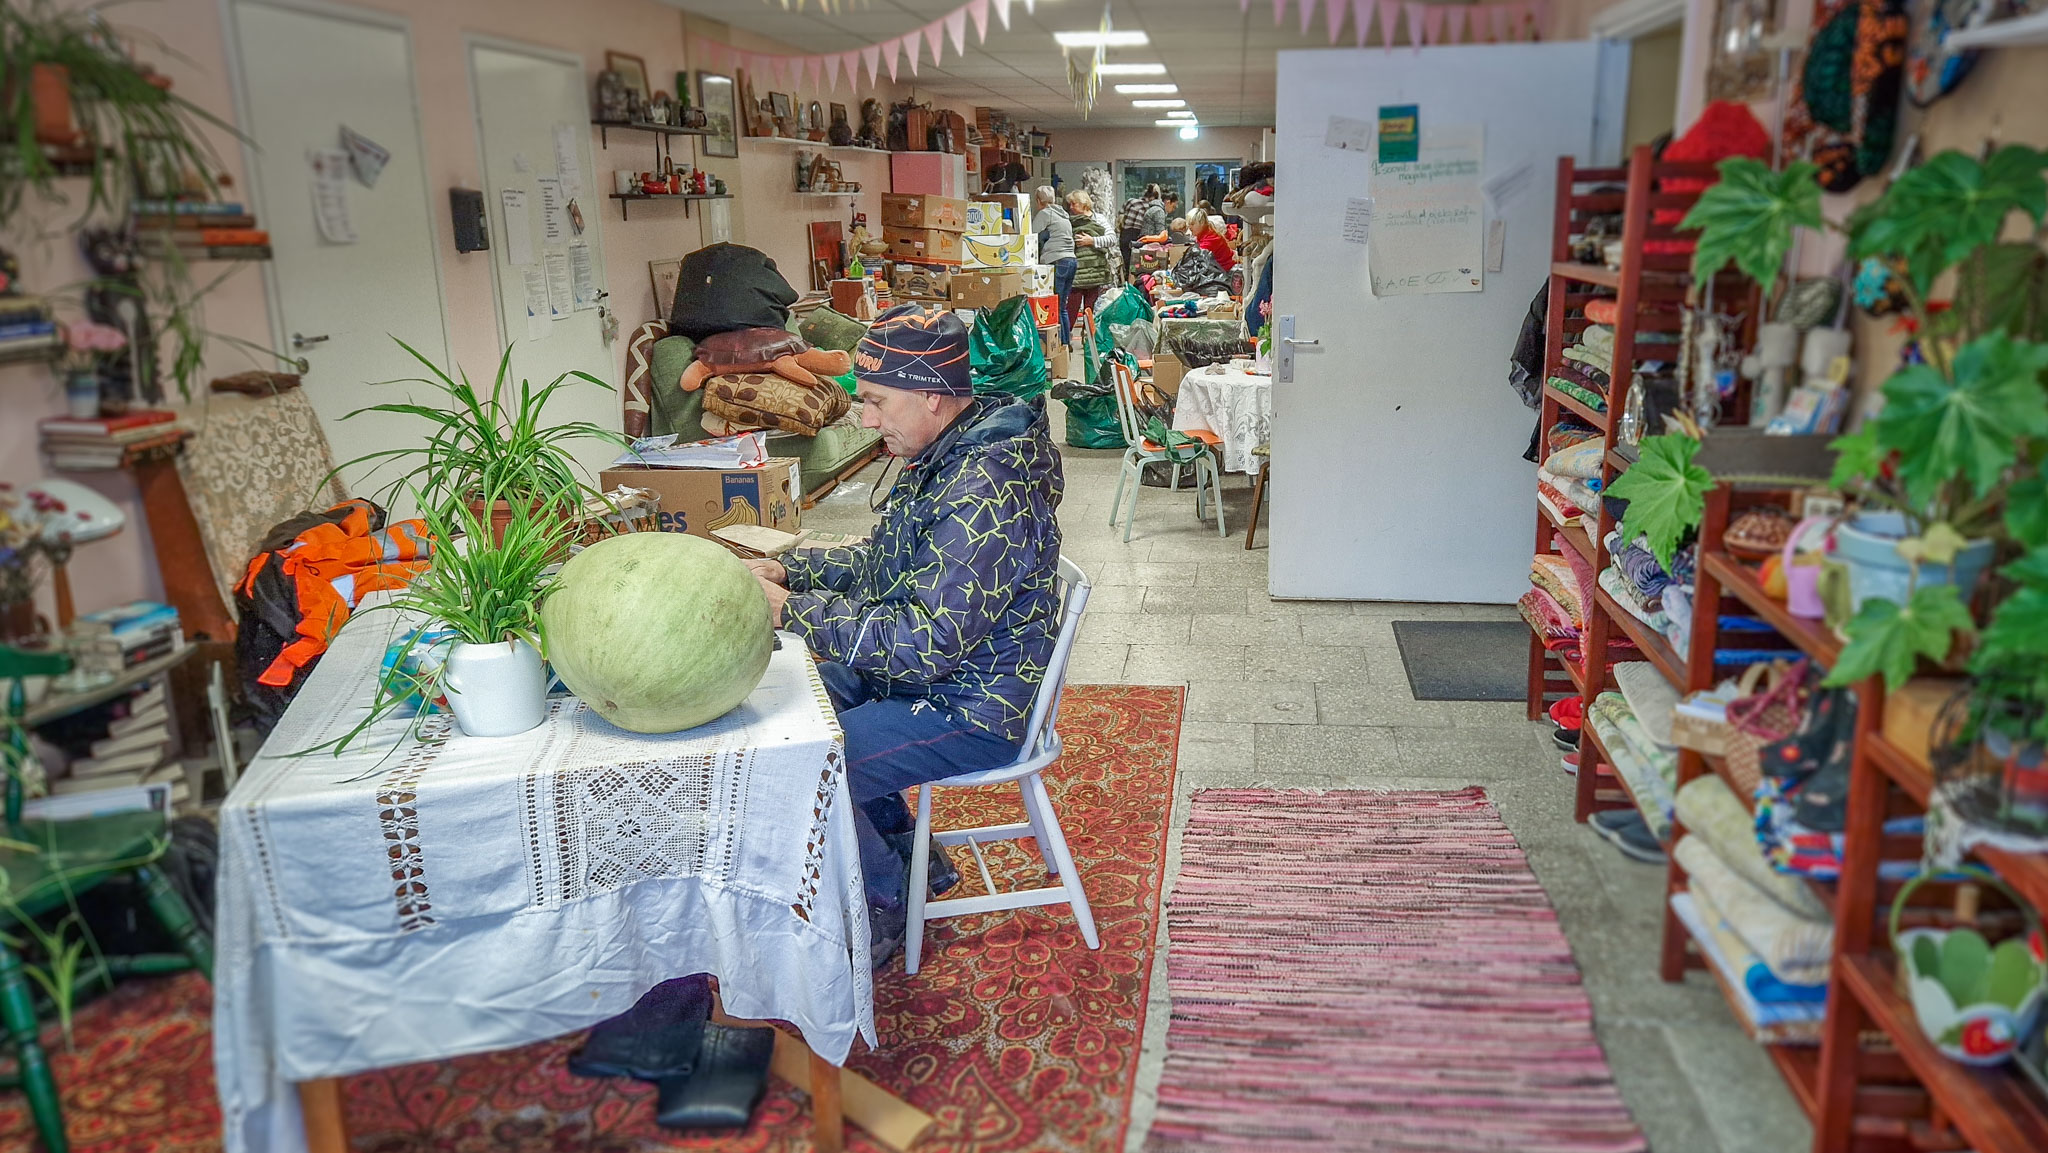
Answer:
(1373, 971)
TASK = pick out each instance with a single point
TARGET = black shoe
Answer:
(655, 1040)
(887, 929)
(730, 1078)
(940, 875)
(1626, 830)
(1565, 739)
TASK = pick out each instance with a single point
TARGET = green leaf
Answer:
(2007, 291)
(2026, 511)
(2018, 631)
(1965, 959)
(1887, 638)
(1970, 426)
(1937, 213)
(1858, 457)
(1748, 216)
(1666, 493)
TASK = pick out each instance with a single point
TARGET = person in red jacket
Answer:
(1210, 239)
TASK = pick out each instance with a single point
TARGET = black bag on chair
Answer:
(727, 287)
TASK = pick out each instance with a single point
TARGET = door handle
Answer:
(299, 341)
(1300, 343)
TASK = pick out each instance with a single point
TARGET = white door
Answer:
(1397, 447)
(533, 126)
(340, 305)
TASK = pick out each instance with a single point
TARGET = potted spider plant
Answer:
(1947, 477)
(496, 442)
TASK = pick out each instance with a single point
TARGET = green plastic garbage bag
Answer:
(1123, 306)
(1091, 415)
(846, 382)
(1003, 353)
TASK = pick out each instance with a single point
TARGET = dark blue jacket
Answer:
(953, 597)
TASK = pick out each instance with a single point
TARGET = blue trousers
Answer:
(1063, 287)
(893, 743)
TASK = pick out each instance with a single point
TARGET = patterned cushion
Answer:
(765, 400)
(638, 395)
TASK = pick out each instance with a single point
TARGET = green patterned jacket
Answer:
(953, 597)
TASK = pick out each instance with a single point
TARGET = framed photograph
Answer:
(715, 97)
(780, 106)
(664, 274)
(631, 69)
(838, 115)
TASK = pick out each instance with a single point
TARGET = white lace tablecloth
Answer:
(448, 895)
(1233, 404)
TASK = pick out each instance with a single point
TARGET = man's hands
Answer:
(771, 574)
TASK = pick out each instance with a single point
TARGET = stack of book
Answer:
(201, 230)
(118, 639)
(26, 327)
(85, 444)
(135, 751)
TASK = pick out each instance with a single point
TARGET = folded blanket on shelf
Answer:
(1581, 460)
(1711, 811)
(1567, 432)
(1605, 310)
(1546, 617)
(1585, 375)
(1592, 358)
(1560, 507)
(1677, 602)
(1580, 493)
(1650, 697)
(1630, 600)
(1640, 567)
(1649, 772)
(1770, 1000)
(1596, 338)
(1795, 948)
(1793, 848)
(1553, 574)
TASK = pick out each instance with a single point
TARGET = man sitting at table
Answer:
(934, 634)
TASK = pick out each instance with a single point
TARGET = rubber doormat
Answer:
(1465, 660)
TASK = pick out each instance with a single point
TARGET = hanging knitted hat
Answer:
(1725, 128)
(1848, 107)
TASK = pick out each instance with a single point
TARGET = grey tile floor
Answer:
(1312, 695)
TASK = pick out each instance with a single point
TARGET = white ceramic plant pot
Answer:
(496, 690)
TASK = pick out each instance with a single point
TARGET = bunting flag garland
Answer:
(1433, 24)
(1361, 21)
(956, 31)
(872, 57)
(1499, 14)
(910, 50)
(1308, 13)
(889, 50)
(1413, 11)
(1003, 11)
(1388, 12)
(979, 10)
(1333, 17)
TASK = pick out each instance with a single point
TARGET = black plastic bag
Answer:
(727, 287)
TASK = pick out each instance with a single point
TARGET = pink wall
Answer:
(766, 212)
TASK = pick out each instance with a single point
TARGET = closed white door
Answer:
(1397, 445)
(342, 306)
(533, 128)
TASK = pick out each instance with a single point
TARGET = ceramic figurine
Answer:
(841, 133)
(871, 129)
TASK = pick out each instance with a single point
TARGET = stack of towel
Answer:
(1587, 368)
(1634, 726)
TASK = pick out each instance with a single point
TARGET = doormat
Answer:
(1373, 971)
(1015, 1036)
(1465, 660)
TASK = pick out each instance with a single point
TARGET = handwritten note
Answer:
(1357, 219)
(1428, 217)
(583, 276)
(330, 195)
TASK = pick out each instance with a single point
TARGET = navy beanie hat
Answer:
(911, 348)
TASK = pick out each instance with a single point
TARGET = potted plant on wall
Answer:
(1947, 476)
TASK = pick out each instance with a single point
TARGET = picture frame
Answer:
(715, 95)
(664, 274)
(780, 106)
(631, 69)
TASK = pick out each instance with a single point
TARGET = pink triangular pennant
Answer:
(830, 67)
(872, 57)
(1388, 11)
(1466, 19)
(1279, 11)
(1244, 5)
(1333, 17)
(849, 62)
(1031, 6)
(1539, 12)
(1432, 23)
(1414, 13)
(1308, 13)
(1003, 13)
(979, 10)
(934, 34)
(1498, 14)
(890, 50)
(911, 49)
(956, 31)
(1361, 20)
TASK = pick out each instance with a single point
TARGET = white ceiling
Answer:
(1222, 59)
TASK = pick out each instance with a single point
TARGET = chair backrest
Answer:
(1125, 383)
(1073, 587)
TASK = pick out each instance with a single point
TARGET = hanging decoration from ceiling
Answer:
(1394, 22)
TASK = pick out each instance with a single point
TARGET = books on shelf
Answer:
(77, 445)
(77, 804)
(117, 639)
(188, 208)
(105, 425)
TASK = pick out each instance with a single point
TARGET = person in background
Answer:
(1175, 232)
(1055, 231)
(1142, 216)
(1211, 240)
(1091, 252)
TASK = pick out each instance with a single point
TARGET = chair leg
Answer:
(176, 918)
(920, 880)
(1258, 499)
(18, 1011)
(1070, 877)
(1037, 819)
(1131, 511)
(1215, 489)
(1122, 474)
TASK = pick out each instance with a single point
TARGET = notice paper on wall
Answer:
(1428, 230)
(536, 303)
(1347, 134)
(365, 156)
(518, 228)
(330, 195)
(1357, 219)
(561, 300)
(566, 165)
(554, 211)
(584, 276)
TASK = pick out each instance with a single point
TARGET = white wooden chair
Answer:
(1041, 748)
(1143, 452)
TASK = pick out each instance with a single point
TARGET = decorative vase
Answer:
(49, 90)
(1868, 545)
(82, 395)
(496, 690)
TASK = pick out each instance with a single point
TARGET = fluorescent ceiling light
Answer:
(1130, 69)
(1132, 39)
(1189, 132)
(1184, 114)
(1140, 89)
(1174, 123)
(1159, 104)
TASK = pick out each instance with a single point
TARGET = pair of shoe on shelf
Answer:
(708, 1076)
(1626, 830)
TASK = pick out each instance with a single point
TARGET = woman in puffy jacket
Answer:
(1209, 237)
(1092, 246)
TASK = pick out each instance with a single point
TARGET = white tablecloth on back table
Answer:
(1233, 404)
(446, 895)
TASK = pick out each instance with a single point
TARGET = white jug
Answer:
(496, 690)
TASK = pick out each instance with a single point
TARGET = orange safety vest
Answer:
(332, 566)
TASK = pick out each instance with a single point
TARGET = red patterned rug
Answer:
(1015, 1036)
(1373, 971)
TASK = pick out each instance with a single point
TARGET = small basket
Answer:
(1700, 734)
(1982, 1034)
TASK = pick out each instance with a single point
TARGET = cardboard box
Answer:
(979, 288)
(1045, 309)
(925, 281)
(1059, 360)
(923, 244)
(1167, 370)
(1039, 282)
(932, 173)
(1006, 251)
(854, 298)
(984, 219)
(1909, 714)
(697, 500)
(1013, 208)
(922, 210)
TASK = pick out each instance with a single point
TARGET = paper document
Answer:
(330, 195)
(583, 277)
(747, 450)
(566, 165)
(518, 228)
(554, 214)
(1347, 134)
(1428, 217)
(365, 156)
(536, 303)
(560, 300)
(1357, 219)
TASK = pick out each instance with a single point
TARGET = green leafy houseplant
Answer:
(1958, 447)
(1666, 493)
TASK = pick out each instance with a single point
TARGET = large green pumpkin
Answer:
(658, 631)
